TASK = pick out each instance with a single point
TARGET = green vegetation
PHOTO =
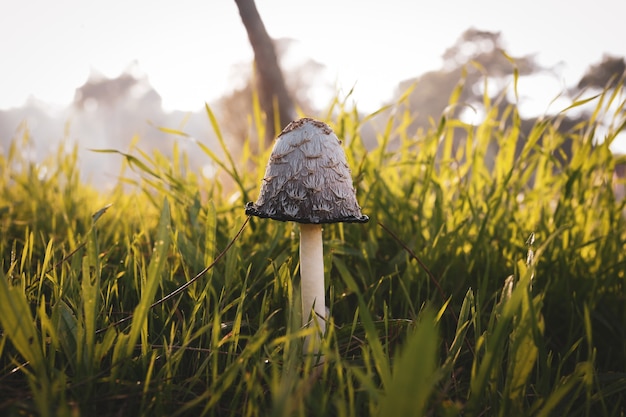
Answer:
(487, 283)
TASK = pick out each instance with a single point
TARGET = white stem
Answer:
(312, 280)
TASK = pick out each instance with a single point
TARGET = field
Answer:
(489, 280)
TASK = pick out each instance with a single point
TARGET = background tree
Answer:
(273, 95)
(476, 54)
(236, 107)
(608, 73)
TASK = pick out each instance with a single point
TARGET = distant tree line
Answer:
(477, 55)
(109, 112)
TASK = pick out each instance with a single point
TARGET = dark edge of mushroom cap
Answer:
(307, 178)
(251, 210)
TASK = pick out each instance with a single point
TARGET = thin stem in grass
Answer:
(67, 257)
(188, 283)
(419, 261)
(430, 275)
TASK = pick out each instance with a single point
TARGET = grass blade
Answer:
(414, 372)
(139, 324)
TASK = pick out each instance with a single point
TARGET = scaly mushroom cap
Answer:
(307, 179)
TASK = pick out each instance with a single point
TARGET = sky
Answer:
(189, 49)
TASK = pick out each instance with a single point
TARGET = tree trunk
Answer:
(273, 94)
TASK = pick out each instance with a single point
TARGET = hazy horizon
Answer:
(190, 50)
(193, 52)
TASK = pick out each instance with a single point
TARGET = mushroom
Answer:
(307, 180)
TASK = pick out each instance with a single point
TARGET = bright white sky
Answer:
(188, 47)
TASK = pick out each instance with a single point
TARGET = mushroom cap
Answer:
(307, 179)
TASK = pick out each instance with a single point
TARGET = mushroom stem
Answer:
(312, 282)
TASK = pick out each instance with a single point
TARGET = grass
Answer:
(488, 282)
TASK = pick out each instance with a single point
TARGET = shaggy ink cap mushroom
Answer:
(307, 179)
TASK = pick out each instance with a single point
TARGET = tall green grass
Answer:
(489, 281)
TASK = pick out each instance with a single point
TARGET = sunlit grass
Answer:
(441, 305)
